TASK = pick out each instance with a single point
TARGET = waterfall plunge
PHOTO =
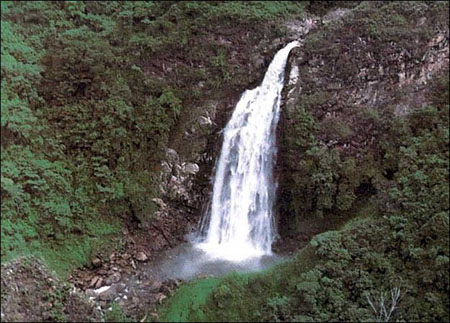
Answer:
(241, 216)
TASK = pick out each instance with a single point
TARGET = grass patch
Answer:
(63, 255)
(188, 300)
(235, 296)
(116, 314)
(78, 250)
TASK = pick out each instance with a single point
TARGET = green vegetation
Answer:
(396, 164)
(88, 108)
(116, 314)
(190, 297)
(42, 210)
(331, 279)
(235, 297)
(93, 93)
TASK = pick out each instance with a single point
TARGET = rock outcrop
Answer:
(358, 69)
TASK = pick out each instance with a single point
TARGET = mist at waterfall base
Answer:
(186, 262)
(239, 230)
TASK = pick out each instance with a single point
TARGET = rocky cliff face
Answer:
(358, 70)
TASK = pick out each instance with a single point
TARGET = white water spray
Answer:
(241, 217)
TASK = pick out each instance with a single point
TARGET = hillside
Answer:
(111, 124)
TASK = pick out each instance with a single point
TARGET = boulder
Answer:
(96, 262)
(114, 278)
(108, 293)
(156, 286)
(205, 121)
(191, 168)
(141, 256)
(172, 156)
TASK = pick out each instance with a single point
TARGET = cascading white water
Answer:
(241, 215)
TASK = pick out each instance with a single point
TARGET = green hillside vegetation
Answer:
(93, 93)
(405, 247)
(84, 123)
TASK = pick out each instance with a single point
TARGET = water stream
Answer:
(241, 222)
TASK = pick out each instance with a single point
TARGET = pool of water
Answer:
(187, 261)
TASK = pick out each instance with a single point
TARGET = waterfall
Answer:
(241, 223)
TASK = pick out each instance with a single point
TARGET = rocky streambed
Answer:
(139, 283)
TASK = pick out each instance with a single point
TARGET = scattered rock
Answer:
(160, 203)
(114, 278)
(172, 156)
(178, 282)
(160, 297)
(112, 256)
(108, 294)
(99, 283)
(297, 29)
(202, 276)
(191, 168)
(205, 121)
(95, 282)
(96, 262)
(156, 286)
(27, 284)
(335, 15)
(102, 272)
(101, 289)
(141, 256)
